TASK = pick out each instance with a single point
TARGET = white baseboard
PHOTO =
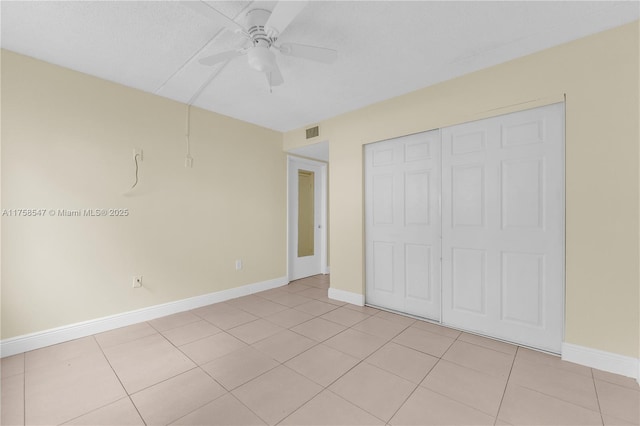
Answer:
(606, 361)
(346, 296)
(29, 342)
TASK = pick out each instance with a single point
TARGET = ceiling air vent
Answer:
(312, 132)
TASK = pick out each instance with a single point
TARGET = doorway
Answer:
(307, 217)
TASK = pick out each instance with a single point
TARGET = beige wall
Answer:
(599, 75)
(67, 143)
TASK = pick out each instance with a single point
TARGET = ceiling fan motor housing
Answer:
(260, 56)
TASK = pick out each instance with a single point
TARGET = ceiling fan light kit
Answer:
(260, 56)
(263, 27)
(261, 59)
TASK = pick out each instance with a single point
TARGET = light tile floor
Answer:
(292, 356)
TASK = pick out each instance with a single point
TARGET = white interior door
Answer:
(307, 217)
(402, 186)
(503, 227)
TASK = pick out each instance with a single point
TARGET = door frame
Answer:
(293, 233)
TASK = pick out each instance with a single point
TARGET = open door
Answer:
(307, 217)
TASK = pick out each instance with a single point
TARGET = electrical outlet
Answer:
(238, 264)
(137, 281)
(188, 162)
(137, 152)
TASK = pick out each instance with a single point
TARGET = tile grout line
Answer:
(279, 364)
(351, 402)
(230, 392)
(485, 347)
(461, 402)
(199, 407)
(252, 344)
(119, 381)
(610, 382)
(453, 399)
(548, 395)
(476, 369)
(194, 362)
(317, 343)
(363, 360)
(197, 366)
(190, 311)
(555, 397)
(358, 363)
(506, 384)
(413, 391)
(595, 388)
(288, 307)
(247, 407)
(304, 403)
(253, 378)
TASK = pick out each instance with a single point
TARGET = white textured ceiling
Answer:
(385, 48)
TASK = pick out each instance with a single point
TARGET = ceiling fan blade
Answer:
(204, 9)
(283, 13)
(319, 54)
(275, 76)
(221, 57)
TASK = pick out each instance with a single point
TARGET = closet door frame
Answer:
(515, 169)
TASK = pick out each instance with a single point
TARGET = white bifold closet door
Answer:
(466, 225)
(402, 224)
(503, 226)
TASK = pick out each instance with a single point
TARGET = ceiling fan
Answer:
(263, 27)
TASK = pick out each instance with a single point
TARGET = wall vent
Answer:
(312, 132)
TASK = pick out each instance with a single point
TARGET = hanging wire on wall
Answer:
(135, 160)
(188, 162)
